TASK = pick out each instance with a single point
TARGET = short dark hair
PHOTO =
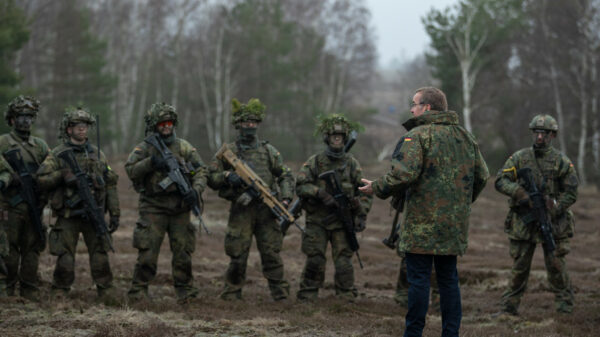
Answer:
(434, 97)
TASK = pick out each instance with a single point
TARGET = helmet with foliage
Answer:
(72, 116)
(159, 112)
(253, 110)
(21, 105)
(336, 123)
(543, 122)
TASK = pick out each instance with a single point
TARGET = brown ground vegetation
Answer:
(484, 273)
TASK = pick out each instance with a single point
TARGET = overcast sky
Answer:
(399, 30)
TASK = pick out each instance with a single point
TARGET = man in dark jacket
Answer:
(438, 165)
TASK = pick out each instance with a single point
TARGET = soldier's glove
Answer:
(327, 199)
(70, 178)
(113, 224)
(158, 163)
(234, 180)
(552, 206)
(191, 198)
(360, 223)
(522, 198)
(15, 179)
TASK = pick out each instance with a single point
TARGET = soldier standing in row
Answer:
(163, 209)
(323, 226)
(20, 242)
(57, 178)
(248, 216)
(555, 177)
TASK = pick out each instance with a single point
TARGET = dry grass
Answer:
(483, 271)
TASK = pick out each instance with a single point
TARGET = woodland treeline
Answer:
(500, 62)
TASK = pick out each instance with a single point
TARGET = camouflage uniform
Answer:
(253, 218)
(67, 206)
(20, 246)
(322, 224)
(163, 210)
(556, 178)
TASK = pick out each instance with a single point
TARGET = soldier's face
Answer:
(336, 140)
(417, 107)
(23, 122)
(542, 138)
(165, 128)
(250, 124)
(78, 132)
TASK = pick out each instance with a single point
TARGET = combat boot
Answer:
(32, 294)
(185, 294)
(138, 295)
(108, 296)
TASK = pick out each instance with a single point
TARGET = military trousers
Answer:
(560, 284)
(148, 236)
(63, 240)
(22, 260)
(314, 246)
(244, 222)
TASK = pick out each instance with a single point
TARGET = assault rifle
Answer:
(175, 174)
(93, 213)
(295, 209)
(398, 205)
(343, 210)
(257, 188)
(538, 210)
(28, 191)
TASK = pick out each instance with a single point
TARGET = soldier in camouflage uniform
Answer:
(249, 216)
(555, 177)
(322, 223)
(164, 210)
(60, 182)
(20, 245)
(439, 165)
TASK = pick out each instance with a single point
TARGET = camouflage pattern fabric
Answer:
(164, 211)
(66, 205)
(253, 218)
(20, 249)
(322, 227)
(555, 172)
(440, 165)
(148, 236)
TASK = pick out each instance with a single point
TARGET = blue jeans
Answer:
(419, 275)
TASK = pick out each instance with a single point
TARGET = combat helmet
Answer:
(21, 105)
(335, 123)
(254, 110)
(72, 116)
(543, 122)
(159, 112)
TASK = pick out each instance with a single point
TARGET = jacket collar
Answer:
(15, 139)
(432, 117)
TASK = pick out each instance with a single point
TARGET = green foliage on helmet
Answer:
(74, 115)
(253, 110)
(159, 112)
(336, 123)
(21, 105)
(543, 122)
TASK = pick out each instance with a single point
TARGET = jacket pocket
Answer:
(56, 242)
(233, 243)
(142, 237)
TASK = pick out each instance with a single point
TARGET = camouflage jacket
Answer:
(440, 168)
(33, 151)
(264, 160)
(308, 183)
(64, 200)
(153, 198)
(555, 176)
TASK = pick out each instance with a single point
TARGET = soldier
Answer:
(60, 182)
(555, 177)
(162, 208)
(439, 165)
(20, 242)
(249, 216)
(322, 223)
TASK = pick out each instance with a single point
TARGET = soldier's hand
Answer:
(360, 224)
(286, 202)
(191, 198)
(234, 180)
(522, 198)
(327, 199)
(551, 206)
(158, 163)
(69, 178)
(15, 180)
(113, 224)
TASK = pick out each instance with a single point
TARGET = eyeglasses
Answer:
(413, 104)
